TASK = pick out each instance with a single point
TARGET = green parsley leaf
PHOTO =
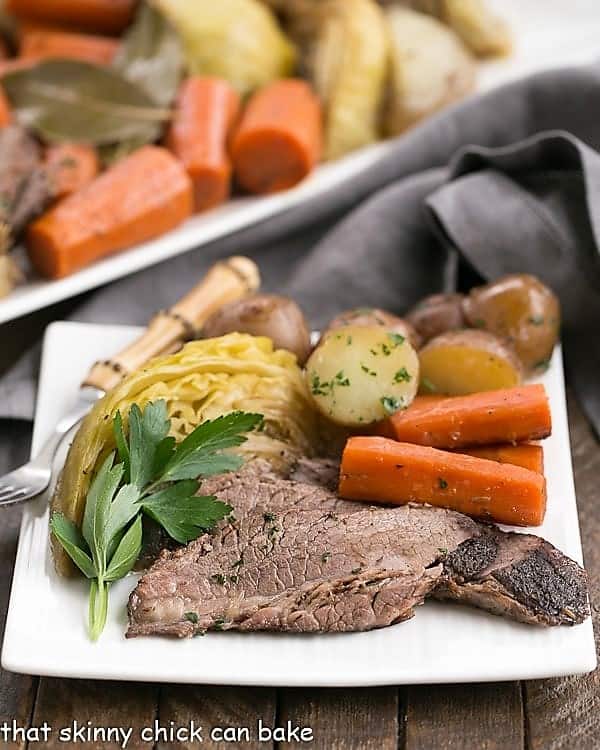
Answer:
(396, 338)
(73, 543)
(181, 513)
(208, 438)
(391, 404)
(121, 443)
(402, 376)
(126, 553)
(147, 430)
(97, 508)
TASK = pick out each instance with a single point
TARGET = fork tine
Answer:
(18, 494)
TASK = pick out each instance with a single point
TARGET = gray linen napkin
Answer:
(508, 181)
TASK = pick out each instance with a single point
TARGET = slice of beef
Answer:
(521, 576)
(257, 484)
(324, 472)
(299, 570)
(315, 570)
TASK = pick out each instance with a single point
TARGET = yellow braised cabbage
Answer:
(202, 381)
(239, 40)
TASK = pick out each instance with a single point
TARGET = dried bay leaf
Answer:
(71, 100)
(151, 55)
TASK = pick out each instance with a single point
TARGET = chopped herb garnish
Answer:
(234, 578)
(396, 338)
(326, 556)
(386, 350)
(269, 517)
(443, 483)
(191, 617)
(341, 379)
(368, 370)
(402, 376)
(536, 320)
(348, 340)
(443, 550)
(428, 386)
(355, 571)
(219, 623)
(238, 563)
(320, 387)
(391, 404)
(218, 578)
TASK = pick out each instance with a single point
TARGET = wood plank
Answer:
(216, 708)
(565, 713)
(343, 719)
(17, 692)
(125, 705)
(453, 717)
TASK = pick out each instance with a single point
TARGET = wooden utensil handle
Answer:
(226, 281)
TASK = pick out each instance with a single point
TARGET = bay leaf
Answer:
(151, 55)
(72, 100)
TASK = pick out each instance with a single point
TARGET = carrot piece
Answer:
(41, 44)
(278, 141)
(70, 167)
(5, 113)
(509, 415)
(526, 455)
(108, 16)
(140, 197)
(205, 113)
(385, 471)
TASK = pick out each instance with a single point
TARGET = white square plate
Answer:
(544, 37)
(46, 633)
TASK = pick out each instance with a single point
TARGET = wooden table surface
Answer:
(541, 715)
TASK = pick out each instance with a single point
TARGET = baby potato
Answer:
(437, 314)
(374, 316)
(460, 362)
(520, 309)
(362, 374)
(277, 318)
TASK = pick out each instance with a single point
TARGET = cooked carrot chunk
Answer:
(107, 16)
(205, 113)
(380, 470)
(527, 455)
(70, 167)
(141, 197)
(278, 141)
(510, 415)
(41, 44)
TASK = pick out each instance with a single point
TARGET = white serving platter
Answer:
(46, 634)
(545, 37)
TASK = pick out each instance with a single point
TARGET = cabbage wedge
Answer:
(347, 62)
(202, 381)
(239, 40)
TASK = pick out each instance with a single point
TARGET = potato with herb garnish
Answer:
(362, 374)
(374, 316)
(461, 362)
(520, 309)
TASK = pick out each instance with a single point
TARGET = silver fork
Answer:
(226, 281)
(33, 478)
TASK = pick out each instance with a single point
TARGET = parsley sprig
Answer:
(149, 473)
